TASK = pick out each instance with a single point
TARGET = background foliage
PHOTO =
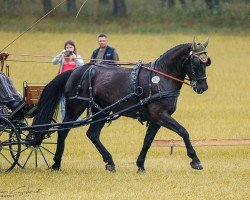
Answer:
(144, 16)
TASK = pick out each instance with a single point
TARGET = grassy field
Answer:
(222, 112)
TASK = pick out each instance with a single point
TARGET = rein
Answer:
(166, 75)
(197, 55)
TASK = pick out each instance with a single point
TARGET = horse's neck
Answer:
(171, 64)
(172, 60)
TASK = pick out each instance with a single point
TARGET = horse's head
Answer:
(195, 66)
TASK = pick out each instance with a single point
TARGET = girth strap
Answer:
(136, 89)
(134, 82)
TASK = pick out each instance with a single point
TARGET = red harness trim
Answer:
(166, 75)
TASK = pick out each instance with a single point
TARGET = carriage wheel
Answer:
(41, 156)
(10, 146)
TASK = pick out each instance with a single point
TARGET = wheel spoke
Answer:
(6, 158)
(27, 159)
(16, 143)
(49, 143)
(10, 144)
(36, 157)
(9, 150)
(44, 158)
(8, 140)
(47, 150)
(5, 129)
(24, 134)
(23, 150)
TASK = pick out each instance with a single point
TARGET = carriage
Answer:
(145, 96)
(15, 148)
(12, 133)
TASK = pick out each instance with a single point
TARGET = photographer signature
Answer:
(22, 190)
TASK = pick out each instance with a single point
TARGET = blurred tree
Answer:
(104, 1)
(47, 6)
(211, 4)
(183, 3)
(7, 5)
(71, 6)
(119, 9)
(171, 3)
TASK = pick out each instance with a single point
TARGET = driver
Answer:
(9, 96)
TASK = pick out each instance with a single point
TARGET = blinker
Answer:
(202, 56)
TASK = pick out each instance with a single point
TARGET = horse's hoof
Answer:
(141, 170)
(196, 165)
(110, 168)
(54, 168)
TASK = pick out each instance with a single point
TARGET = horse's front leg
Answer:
(150, 135)
(167, 121)
(93, 134)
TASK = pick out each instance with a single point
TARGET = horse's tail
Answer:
(49, 99)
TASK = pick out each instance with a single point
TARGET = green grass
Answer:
(221, 112)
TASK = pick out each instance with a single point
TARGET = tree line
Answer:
(211, 4)
(119, 7)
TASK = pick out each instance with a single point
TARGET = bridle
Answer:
(191, 56)
(204, 60)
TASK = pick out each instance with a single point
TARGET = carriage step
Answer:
(19, 111)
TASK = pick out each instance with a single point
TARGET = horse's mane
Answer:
(165, 57)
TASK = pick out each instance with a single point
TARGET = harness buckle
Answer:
(138, 91)
(139, 63)
(193, 84)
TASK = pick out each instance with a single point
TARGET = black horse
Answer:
(96, 86)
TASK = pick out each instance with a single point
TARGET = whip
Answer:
(29, 28)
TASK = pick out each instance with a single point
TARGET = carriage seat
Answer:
(31, 95)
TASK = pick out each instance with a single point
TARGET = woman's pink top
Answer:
(68, 66)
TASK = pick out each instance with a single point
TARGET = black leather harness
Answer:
(136, 92)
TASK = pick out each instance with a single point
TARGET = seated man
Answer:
(9, 96)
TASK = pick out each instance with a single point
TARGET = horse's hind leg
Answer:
(93, 134)
(150, 135)
(72, 113)
(170, 123)
(62, 135)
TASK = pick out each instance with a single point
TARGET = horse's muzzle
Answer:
(200, 90)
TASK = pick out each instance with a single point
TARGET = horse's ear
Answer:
(206, 42)
(194, 45)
